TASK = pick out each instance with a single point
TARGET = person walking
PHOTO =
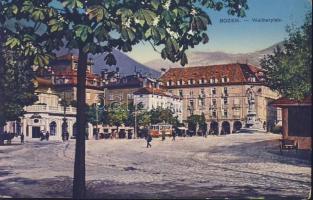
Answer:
(163, 134)
(67, 135)
(22, 138)
(174, 133)
(47, 135)
(149, 139)
(63, 136)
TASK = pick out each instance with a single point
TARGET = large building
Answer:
(120, 90)
(47, 114)
(230, 96)
(152, 98)
(63, 74)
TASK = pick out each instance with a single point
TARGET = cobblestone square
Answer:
(233, 166)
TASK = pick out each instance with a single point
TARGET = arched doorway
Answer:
(53, 128)
(237, 126)
(74, 129)
(225, 128)
(213, 128)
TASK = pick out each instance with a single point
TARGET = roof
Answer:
(156, 91)
(235, 72)
(42, 81)
(285, 102)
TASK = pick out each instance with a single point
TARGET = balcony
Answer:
(51, 109)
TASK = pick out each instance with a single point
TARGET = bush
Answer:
(277, 129)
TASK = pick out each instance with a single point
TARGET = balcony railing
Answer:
(51, 109)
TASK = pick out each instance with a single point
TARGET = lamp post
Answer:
(64, 125)
(135, 128)
(97, 120)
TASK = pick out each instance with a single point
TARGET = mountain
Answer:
(197, 58)
(127, 65)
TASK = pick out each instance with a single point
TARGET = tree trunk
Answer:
(79, 183)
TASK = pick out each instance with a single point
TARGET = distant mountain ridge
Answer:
(198, 58)
(126, 65)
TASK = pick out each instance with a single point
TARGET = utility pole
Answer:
(135, 128)
(97, 132)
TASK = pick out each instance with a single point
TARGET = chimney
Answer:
(163, 70)
(157, 84)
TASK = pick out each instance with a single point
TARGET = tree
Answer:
(197, 120)
(118, 115)
(159, 115)
(16, 84)
(98, 26)
(289, 69)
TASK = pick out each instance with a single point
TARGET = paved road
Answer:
(233, 166)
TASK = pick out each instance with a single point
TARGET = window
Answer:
(225, 113)
(225, 91)
(191, 105)
(225, 101)
(178, 83)
(181, 93)
(202, 92)
(213, 91)
(111, 97)
(216, 81)
(170, 91)
(202, 102)
(211, 80)
(214, 102)
(87, 95)
(214, 113)
(191, 93)
(225, 79)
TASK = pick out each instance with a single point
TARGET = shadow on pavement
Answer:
(62, 187)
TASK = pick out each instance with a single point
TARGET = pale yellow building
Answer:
(230, 96)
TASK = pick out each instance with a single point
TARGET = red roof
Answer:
(43, 81)
(235, 72)
(285, 102)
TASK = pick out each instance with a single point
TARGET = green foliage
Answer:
(289, 70)
(84, 25)
(16, 86)
(160, 115)
(118, 115)
(101, 26)
(197, 120)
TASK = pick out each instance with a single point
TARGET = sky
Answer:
(244, 36)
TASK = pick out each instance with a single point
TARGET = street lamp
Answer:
(97, 120)
(64, 125)
(135, 128)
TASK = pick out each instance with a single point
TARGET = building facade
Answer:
(230, 96)
(63, 74)
(120, 90)
(152, 98)
(47, 114)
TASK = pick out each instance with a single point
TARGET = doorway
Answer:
(35, 132)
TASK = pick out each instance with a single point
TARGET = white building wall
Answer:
(151, 101)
